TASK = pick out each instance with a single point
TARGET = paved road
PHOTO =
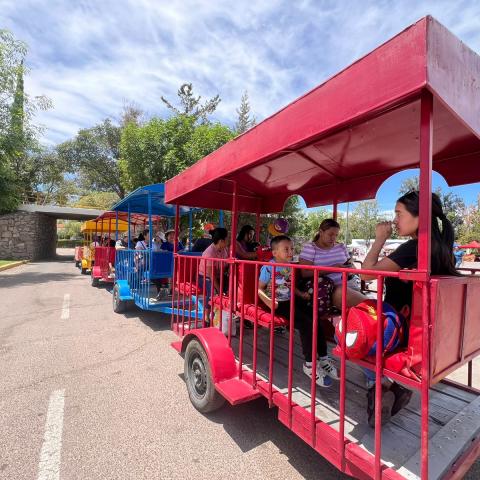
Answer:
(117, 385)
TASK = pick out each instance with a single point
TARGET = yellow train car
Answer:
(94, 232)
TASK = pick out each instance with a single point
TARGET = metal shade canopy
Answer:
(342, 140)
(135, 218)
(138, 202)
(103, 225)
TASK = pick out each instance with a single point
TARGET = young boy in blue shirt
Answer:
(282, 251)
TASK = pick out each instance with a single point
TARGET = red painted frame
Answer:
(417, 110)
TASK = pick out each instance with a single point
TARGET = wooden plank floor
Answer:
(401, 436)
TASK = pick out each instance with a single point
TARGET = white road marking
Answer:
(49, 467)
(66, 307)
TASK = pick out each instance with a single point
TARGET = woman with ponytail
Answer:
(398, 293)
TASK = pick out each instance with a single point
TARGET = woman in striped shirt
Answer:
(326, 252)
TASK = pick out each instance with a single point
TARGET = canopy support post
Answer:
(424, 245)
(177, 217)
(128, 246)
(190, 226)
(257, 226)
(233, 234)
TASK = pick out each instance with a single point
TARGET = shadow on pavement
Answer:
(35, 278)
(158, 322)
(253, 424)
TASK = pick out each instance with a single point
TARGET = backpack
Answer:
(361, 337)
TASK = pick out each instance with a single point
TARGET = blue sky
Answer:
(90, 57)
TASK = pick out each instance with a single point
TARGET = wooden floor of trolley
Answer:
(454, 418)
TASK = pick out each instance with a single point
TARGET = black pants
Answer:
(304, 325)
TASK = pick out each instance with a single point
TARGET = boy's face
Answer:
(283, 251)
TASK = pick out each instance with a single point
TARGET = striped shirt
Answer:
(326, 257)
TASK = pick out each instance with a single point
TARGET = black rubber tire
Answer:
(84, 271)
(94, 281)
(198, 378)
(119, 306)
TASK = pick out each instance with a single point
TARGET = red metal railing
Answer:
(233, 299)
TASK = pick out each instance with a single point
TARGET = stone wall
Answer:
(27, 236)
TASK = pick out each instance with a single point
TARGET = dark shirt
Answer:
(202, 244)
(169, 246)
(399, 292)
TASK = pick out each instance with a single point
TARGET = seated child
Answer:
(282, 251)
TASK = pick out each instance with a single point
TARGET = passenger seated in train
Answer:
(202, 243)
(398, 293)
(245, 247)
(169, 243)
(282, 251)
(217, 250)
(325, 251)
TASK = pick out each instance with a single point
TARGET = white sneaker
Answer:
(322, 380)
(329, 368)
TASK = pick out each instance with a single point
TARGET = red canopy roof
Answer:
(135, 218)
(473, 244)
(343, 139)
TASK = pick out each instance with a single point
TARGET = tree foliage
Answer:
(453, 205)
(94, 156)
(100, 200)
(71, 229)
(470, 229)
(18, 134)
(364, 219)
(244, 121)
(190, 105)
(160, 149)
(409, 184)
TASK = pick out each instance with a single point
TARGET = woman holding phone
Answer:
(325, 251)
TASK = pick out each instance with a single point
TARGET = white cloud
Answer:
(89, 56)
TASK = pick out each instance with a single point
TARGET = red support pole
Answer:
(425, 392)
(425, 207)
(313, 397)
(272, 332)
(291, 346)
(424, 246)
(255, 330)
(257, 227)
(378, 382)
(335, 210)
(343, 379)
(231, 273)
(234, 222)
(176, 268)
(242, 315)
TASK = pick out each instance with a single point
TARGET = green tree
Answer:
(453, 205)
(312, 222)
(191, 106)
(71, 229)
(18, 134)
(409, 184)
(94, 156)
(160, 149)
(100, 200)
(45, 181)
(244, 122)
(470, 229)
(364, 219)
